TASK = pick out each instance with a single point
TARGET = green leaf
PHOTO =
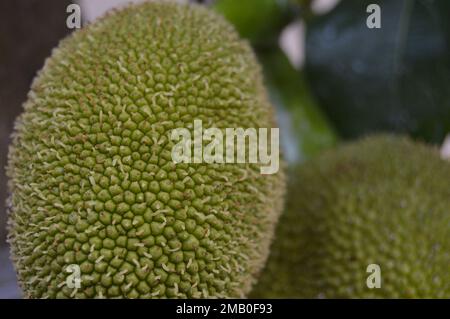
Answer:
(303, 128)
(259, 21)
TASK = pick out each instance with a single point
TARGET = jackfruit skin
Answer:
(91, 177)
(381, 200)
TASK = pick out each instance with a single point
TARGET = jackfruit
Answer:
(98, 208)
(369, 219)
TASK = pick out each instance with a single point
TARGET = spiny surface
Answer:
(92, 180)
(383, 200)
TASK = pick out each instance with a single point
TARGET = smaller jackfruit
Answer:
(379, 207)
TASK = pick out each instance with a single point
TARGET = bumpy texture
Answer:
(382, 200)
(92, 180)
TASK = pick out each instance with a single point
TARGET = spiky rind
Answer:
(383, 200)
(90, 172)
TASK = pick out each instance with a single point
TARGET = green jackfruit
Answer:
(382, 201)
(91, 177)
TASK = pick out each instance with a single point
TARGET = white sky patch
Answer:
(323, 6)
(445, 149)
(292, 42)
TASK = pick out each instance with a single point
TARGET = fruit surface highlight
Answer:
(382, 200)
(90, 171)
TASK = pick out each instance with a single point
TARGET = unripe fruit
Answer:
(92, 180)
(382, 201)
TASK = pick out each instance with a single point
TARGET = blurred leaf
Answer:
(302, 124)
(259, 21)
(396, 78)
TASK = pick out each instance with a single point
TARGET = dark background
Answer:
(29, 31)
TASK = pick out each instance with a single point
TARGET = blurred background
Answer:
(336, 70)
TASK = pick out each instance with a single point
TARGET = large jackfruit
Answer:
(92, 180)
